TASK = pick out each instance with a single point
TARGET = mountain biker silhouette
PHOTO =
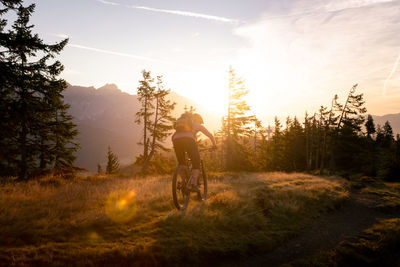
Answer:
(187, 126)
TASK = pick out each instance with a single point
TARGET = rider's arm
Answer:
(207, 133)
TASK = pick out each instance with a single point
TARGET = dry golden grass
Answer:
(112, 220)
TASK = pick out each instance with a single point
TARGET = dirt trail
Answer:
(356, 214)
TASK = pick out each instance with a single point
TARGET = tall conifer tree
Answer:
(236, 125)
(162, 123)
(30, 91)
(112, 162)
(145, 93)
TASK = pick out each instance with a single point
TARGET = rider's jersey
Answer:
(196, 127)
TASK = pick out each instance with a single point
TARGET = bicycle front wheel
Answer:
(180, 193)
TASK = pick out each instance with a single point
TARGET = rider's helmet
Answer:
(197, 118)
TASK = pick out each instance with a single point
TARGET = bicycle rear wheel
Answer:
(180, 193)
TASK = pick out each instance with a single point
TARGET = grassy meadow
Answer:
(106, 220)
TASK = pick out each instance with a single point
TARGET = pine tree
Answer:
(64, 146)
(112, 162)
(145, 92)
(388, 137)
(236, 125)
(353, 110)
(26, 82)
(346, 145)
(369, 153)
(99, 169)
(388, 153)
(162, 124)
(277, 152)
(370, 127)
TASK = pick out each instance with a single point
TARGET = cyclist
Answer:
(187, 126)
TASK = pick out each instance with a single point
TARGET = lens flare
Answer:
(121, 206)
(93, 237)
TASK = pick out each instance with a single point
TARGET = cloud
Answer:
(127, 55)
(339, 5)
(390, 75)
(108, 3)
(117, 53)
(60, 35)
(176, 12)
(320, 52)
(306, 6)
(188, 14)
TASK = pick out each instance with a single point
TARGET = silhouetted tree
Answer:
(387, 135)
(145, 94)
(236, 125)
(328, 133)
(162, 124)
(99, 169)
(63, 134)
(112, 162)
(370, 126)
(30, 93)
(346, 146)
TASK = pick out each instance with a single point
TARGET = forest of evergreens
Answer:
(337, 139)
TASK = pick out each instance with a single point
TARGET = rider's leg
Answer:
(179, 148)
(195, 158)
(195, 175)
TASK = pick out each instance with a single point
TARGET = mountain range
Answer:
(394, 120)
(105, 117)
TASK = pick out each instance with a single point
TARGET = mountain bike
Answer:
(181, 184)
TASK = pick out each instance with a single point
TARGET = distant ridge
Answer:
(105, 116)
(394, 120)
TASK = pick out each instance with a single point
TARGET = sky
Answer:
(293, 55)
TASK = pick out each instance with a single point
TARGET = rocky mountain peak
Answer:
(109, 88)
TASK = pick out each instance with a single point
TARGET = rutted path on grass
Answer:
(330, 230)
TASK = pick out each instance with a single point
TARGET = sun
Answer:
(213, 100)
(209, 89)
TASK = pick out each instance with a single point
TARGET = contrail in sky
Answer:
(188, 14)
(108, 2)
(391, 74)
(120, 54)
(176, 12)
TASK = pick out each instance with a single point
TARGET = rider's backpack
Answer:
(184, 123)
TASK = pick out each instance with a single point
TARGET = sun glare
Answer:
(121, 206)
(213, 100)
